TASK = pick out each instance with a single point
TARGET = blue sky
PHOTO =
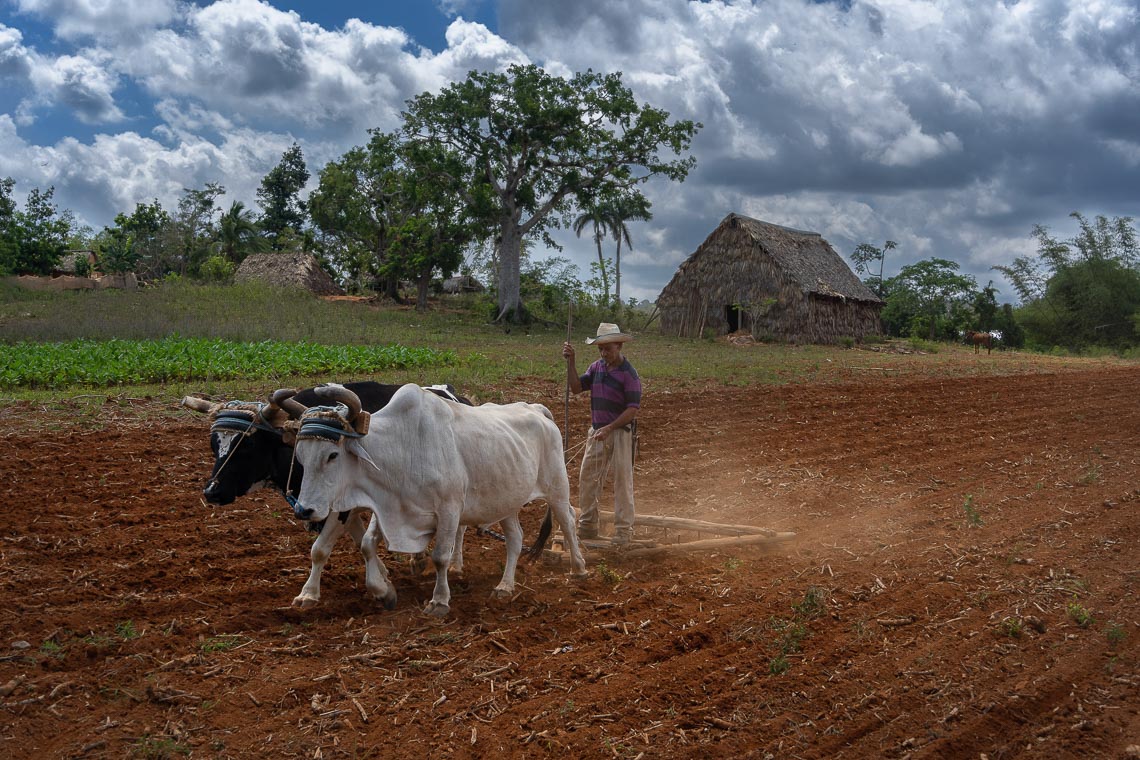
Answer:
(951, 128)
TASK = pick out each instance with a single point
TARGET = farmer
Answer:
(615, 398)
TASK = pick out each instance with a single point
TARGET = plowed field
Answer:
(963, 583)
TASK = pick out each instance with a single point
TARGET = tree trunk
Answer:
(617, 272)
(422, 290)
(602, 270)
(510, 252)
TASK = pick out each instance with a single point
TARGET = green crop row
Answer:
(101, 363)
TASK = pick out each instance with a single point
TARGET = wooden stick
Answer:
(566, 398)
(711, 544)
(684, 523)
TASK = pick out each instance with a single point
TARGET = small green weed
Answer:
(813, 605)
(609, 576)
(1080, 615)
(791, 635)
(778, 665)
(1115, 633)
(51, 648)
(97, 640)
(973, 517)
(1092, 475)
(1011, 626)
(222, 643)
(732, 563)
(158, 748)
(125, 630)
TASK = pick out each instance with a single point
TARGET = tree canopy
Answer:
(1082, 291)
(279, 197)
(536, 146)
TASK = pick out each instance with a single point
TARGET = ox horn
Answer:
(198, 404)
(334, 392)
(283, 399)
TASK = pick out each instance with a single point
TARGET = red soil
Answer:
(963, 584)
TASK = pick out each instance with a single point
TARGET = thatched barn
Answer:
(775, 282)
(295, 270)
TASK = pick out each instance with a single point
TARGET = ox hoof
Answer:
(305, 602)
(437, 610)
(580, 576)
(389, 602)
(502, 593)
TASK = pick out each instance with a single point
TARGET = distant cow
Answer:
(426, 468)
(979, 339)
(250, 452)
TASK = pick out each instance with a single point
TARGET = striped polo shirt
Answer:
(612, 391)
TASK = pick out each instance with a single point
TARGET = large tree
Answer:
(537, 146)
(193, 227)
(35, 238)
(8, 240)
(354, 204)
(928, 298)
(385, 213)
(284, 213)
(144, 239)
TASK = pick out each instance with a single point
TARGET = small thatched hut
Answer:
(294, 270)
(776, 282)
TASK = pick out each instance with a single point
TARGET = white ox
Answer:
(426, 468)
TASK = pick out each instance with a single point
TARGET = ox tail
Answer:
(539, 545)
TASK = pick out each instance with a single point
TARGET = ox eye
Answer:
(333, 455)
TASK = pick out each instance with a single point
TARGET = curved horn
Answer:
(343, 395)
(283, 399)
(198, 404)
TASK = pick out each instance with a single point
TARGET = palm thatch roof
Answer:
(295, 269)
(805, 258)
(776, 281)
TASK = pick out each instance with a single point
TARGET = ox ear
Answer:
(199, 404)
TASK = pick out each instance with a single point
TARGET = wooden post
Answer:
(566, 397)
(711, 544)
(684, 523)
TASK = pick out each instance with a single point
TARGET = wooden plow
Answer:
(670, 532)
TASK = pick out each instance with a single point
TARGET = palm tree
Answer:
(600, 216)
(629, 208)
(238, 234)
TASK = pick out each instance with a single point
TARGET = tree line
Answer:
(1074, 294)
(492, 163)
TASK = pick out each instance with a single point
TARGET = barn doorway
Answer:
(736, 317)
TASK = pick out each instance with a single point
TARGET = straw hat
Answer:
(609, 333)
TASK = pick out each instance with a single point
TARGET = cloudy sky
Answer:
(949, 127)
